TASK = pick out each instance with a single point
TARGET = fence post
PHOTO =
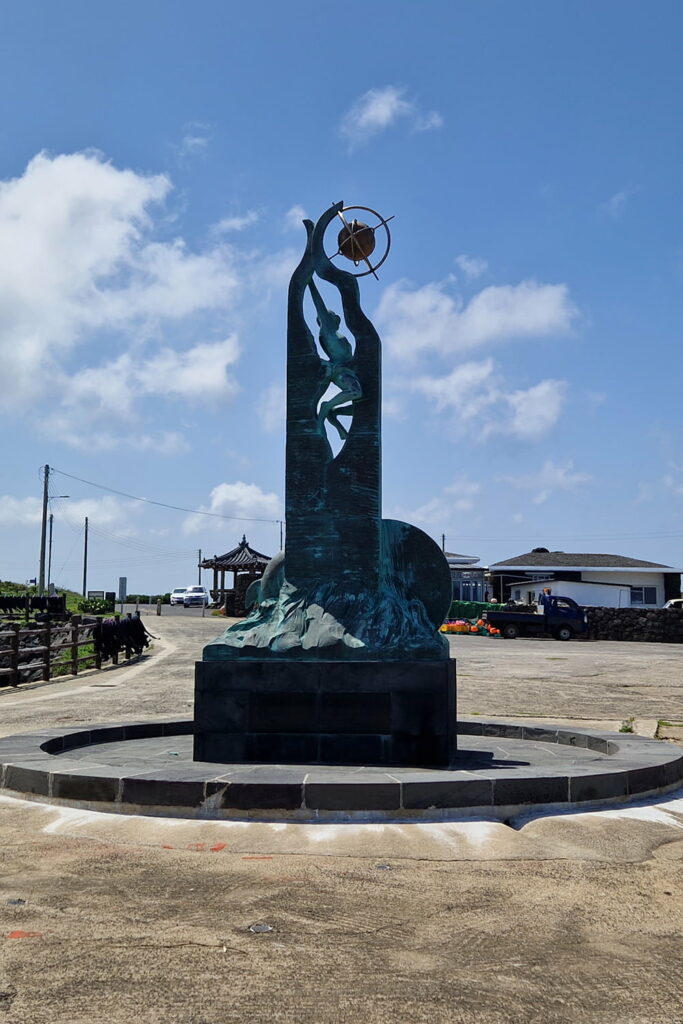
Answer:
(96, 645)
(14, 657)
(47, 652)
(115, 654)
(75, 622)
(126, 642)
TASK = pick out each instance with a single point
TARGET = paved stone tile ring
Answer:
(503, 768)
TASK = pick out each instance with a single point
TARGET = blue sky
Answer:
(155, 161)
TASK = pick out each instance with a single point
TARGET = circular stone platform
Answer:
(503, 769)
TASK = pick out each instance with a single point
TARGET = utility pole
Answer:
(281, 524)
(49, 551)
(85, 557)
(199, 566)
(49, 546)
(43, 532)
(443, 543)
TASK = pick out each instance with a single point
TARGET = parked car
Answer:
(675, 602)
(196, 595)
(178, 595)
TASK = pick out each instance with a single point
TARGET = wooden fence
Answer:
(28, 654)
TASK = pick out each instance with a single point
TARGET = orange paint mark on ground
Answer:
(198, 847)
(24, 935)
(257, 858)
(218, 847)
(166, 847)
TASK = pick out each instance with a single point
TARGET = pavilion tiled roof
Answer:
(239, 559)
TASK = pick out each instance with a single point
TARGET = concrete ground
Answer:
(572, 918)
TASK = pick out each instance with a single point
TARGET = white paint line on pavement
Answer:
(72, 820)
(65, 819)
(660, 811)
(663, 814)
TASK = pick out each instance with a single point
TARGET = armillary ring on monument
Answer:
(356, 240)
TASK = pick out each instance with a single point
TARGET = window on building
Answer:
(643, 595)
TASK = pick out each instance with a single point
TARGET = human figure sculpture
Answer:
(339, 352)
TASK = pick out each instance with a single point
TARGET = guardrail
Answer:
(32, 653)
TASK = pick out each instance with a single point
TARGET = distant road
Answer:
(146, 611)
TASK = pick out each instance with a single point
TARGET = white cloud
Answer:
(535, 410)
(272, 408)
(241, 500)
(438, 512)
(378, 109)
(646, 492)
(550, 478)
(199, 373)
(433, 513)
(393, 407)
(476, 397)
(416, 320)
(614, 206)
(471, 266)
(466, 388)
(78, 431)
(103, 512)
(195, 140)
(427, 122)
(20, 511)
(236, 223)
(294, 216)
(79, 267)
(164, 442)
(673, 481)
(464, 493)
(271, 272)
(107, 511)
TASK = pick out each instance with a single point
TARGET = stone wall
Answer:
(656, 625)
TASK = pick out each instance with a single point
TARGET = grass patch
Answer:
(21, 589)
(628, 725)
(61, 666)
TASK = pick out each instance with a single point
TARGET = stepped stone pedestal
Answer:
(364, 713)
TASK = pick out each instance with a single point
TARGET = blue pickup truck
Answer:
(553, 616)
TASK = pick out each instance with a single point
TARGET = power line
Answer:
(462, 536)
(564, 536)
(163, 504)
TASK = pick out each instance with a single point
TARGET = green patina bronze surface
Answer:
(349, 585)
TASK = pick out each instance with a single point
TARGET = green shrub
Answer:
(469, 609)
(95, 606)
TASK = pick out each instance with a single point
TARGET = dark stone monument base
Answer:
(298, 712)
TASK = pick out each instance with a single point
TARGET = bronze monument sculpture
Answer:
(350, 589)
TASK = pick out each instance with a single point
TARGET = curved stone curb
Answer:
(602, 768)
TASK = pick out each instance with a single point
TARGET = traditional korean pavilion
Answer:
(246, 564)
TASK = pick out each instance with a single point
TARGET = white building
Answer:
(612, 581)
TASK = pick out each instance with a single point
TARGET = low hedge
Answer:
(469, 609)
